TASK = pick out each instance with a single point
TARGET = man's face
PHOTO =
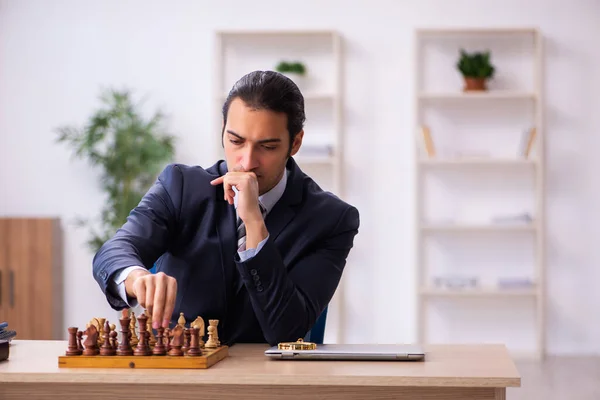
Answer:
(258, 141)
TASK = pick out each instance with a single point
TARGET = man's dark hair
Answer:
(269, 90)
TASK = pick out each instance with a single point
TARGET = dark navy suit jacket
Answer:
(186, 227)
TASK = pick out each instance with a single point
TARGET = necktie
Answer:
(241, 230)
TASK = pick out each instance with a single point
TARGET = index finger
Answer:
(217, 181)
(159, 301)
(170, 302)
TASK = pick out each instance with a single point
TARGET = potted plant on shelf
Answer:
(476, 69)
(130, 151)
(294, 70)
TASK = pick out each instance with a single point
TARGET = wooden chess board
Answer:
(179, 347)
(208, 358)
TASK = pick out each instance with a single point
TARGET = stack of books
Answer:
(6, 336)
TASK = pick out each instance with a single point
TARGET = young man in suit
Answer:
(251, 241)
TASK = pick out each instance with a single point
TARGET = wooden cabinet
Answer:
(31, 293)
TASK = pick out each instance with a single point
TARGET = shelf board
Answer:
(477, 162)
(276, 32)
(318, 96)
(308, 96)
(505, 227)
(480, 292)
(478, 31)
(487, 95)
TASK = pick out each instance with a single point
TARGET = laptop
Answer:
(352, 352)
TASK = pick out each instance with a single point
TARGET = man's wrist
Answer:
(253, 218)
(256, 232)
(130, 280)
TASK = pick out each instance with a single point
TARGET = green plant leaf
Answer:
(475, 65)
(130, 151)
(295, 66)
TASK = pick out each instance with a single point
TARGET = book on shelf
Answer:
(515, 283)
(527, 141)
(517, 218)
(427, 141)
(466, 283)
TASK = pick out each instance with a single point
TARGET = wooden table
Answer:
(450, 372)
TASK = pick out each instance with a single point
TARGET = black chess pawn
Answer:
(107, 349)
(186, 340)
(159, 347)
(194, 348)
(79, 341)
(113, 339)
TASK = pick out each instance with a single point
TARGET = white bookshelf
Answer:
(461, 235)
(498, 95)
(478, 228)
(481, 292)
(238, 52)
(241, 51)
(479, 163)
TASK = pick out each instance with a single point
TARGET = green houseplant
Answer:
(476, 69)
(294, 67)
(295, 70)
(129, 149)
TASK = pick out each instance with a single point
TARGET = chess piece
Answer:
(176, 341)
(199, 323)
(159, 348)
(125, 348)
(194, 348)
(79, 340)
(107, 349)
(186, 340)
(213, 334)
(142, 348)
(152, 339)
(73, 348)
(133, 339)
(100, 327)
(113, 338)
(91, 341)
(181, 320)
(167, 338)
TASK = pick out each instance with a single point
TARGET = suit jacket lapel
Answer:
(226, 230)
(278, 218)
(283, 211)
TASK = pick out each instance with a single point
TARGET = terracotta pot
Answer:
(475, 84)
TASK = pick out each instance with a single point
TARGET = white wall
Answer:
(55, 56)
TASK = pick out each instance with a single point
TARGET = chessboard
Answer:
(179, 347)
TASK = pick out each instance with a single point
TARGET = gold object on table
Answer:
(300, 344)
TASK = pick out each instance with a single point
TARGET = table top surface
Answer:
(445, 365)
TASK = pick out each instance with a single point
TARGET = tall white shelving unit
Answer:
(467, 189)
(238, 52)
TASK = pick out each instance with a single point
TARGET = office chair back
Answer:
(317, 333)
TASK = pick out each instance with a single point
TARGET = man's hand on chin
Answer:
(248, 208)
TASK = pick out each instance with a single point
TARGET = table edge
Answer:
(255, 380)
